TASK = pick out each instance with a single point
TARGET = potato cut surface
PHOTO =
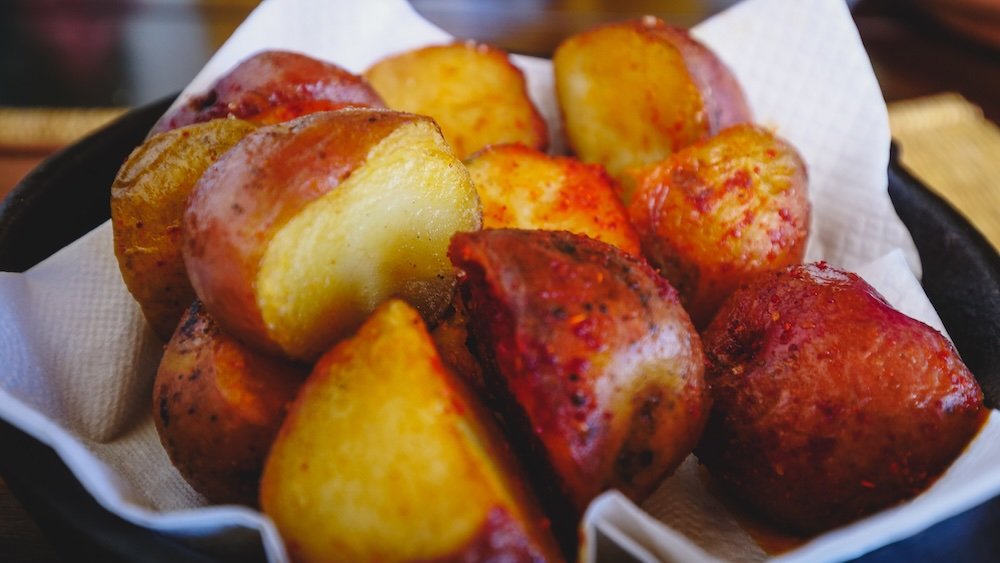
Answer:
(473, 91)
(627, 97)
(384, 231)
(383, 456)
(524, 188)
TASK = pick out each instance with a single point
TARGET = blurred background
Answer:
(68, 67)
(121, 53)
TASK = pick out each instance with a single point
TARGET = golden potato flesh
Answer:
(717, 214)
(217, 406)
(632, 93)
(523, 188)
(385, 456)
(473, 91)
(296, 236)
(147, 202)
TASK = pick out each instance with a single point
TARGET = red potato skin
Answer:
(829, 404)
(273, 86)
(257, 187)
(724, 102)
(218, 406)
(594, 348)
(502, 538)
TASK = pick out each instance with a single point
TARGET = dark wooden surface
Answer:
(912, 53)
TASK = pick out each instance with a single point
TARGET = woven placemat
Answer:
(49, 128)
(947, 143)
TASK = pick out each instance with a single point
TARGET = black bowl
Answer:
(69, 194)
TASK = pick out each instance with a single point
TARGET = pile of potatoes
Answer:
(412, 334)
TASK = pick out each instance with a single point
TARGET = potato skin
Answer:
(829, 404)
(148, 198)
(632, 93)
(273, 86)
(592, 351)
(722, 211)
(217, 406)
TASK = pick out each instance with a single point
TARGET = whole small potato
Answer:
(829, 403)
(634, 92)
(217, 406)
(273, 86)
(599, 366)
(148, 198)
(722, 211)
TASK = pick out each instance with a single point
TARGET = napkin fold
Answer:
(78, 361)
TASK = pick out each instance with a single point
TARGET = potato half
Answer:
(597, 366)
(386, 456)
(148, 198)
(472, 90)
(297, 234)
(631, 93)
(523, 188)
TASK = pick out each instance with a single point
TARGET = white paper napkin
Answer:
(78, 362)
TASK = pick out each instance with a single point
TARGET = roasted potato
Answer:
(217, 406)
(596, 363)
(472, 90)
(453, 341)
(299, 232)
(274, 86)
(522, 188)
(386, 456)
(148, 198)
(829, 403)
(720, 212)
(632, 93)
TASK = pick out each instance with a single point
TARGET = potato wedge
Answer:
(632, 93)
(148, 198)
(720, 212)
(472, 90)
(274, 86)
(599, 367)
(297, 234)
(386, 456)
(217, 406)
(522, 188)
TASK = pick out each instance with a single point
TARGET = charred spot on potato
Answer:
(164, 409)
